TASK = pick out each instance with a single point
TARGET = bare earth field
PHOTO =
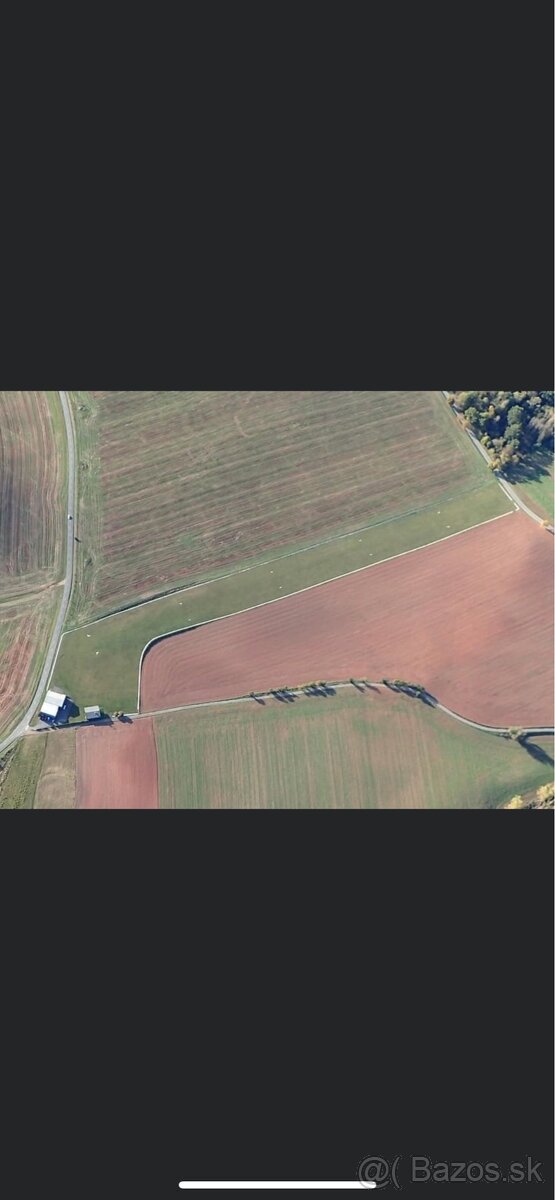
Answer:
(31, 501)
(352, 750)
(116, 766)
(179, 486)
(470, 618)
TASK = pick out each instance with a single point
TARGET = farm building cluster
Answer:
(58, 708)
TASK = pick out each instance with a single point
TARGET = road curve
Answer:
(68, 584)
(499, 730)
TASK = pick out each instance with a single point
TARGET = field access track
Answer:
(470, 618)
(117, 766)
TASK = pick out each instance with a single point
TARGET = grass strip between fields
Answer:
(99, 663)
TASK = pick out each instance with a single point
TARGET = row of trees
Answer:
(509, 424)
(544, 798)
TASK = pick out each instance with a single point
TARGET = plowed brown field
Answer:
(470, 618)
(117, 766)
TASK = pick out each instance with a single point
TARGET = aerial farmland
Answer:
(32, 528)
(276, 599)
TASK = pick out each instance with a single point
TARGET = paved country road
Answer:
(503, 483)
(57, 631)
(500, 730)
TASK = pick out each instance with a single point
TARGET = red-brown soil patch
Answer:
(470, 618)
(117, 766)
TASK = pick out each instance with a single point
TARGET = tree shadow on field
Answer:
(537, 752)
(533, 466)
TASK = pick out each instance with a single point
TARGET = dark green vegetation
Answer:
(511, 425)
(365, 749)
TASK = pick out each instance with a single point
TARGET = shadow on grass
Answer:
(534, 466)
(537, 752)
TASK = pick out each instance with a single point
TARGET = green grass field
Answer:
(99, 664)
(370, 750)
(177, 487)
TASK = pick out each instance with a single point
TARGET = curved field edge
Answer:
(99, 663)
(365, 750)
(216, 481)
(433, 616)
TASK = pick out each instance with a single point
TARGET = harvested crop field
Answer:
(25, 626)
(31, 492)
(179, 486)
(470, 618)
(99, 663)
(57, 784)
(116, 766)
(369, 749)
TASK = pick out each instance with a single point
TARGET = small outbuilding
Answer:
(93, 713)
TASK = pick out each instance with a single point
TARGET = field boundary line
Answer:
(496, 730)
(267, 562)
(346, 574)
